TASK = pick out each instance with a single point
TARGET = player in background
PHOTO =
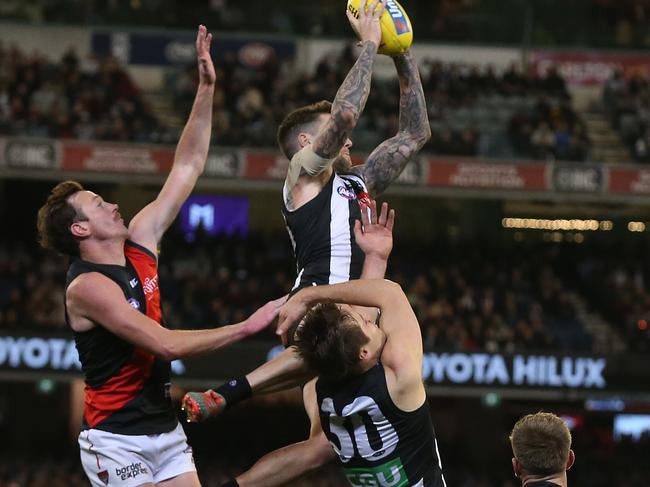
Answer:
(541, 445)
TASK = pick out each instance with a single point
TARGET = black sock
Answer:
(231, 483)
(234, 391)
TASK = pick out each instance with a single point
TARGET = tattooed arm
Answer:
(347, 106)
(388, 160)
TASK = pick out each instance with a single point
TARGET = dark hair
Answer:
(329, 341)
(295, 122)
(541, 443)
(55, 218)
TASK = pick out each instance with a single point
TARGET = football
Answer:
(396, 30)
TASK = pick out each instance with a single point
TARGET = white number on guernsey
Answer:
(368, 425)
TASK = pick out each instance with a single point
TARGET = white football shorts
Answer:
(113, 460)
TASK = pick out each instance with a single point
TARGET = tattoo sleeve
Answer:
(347, 106)
(388, 160)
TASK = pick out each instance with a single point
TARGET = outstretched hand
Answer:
(374, 234)
(264, 316)
(366, 23)
(207, 74)
(293, 311)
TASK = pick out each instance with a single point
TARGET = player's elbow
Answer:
(168, 349)
(421, 136)
(321, 452)
(345, 118)
(391, 292)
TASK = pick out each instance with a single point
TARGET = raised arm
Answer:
(387, 161)
(148, 226)
(377, 293)
(351, 97)
(96, 299)
(289, 463)
(402, 352)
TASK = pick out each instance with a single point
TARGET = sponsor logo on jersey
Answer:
(133, 282)
(131, 471)
(346, 192)
(150, 285)
(364, 199)
(390, 474)
(103, 476)
(135, 304)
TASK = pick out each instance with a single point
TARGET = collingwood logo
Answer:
(131, 471)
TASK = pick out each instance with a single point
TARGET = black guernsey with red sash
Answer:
(127, 388)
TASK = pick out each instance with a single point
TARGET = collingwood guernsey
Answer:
(378, 443)
(322, 232)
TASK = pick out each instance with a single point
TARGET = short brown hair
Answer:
(55, 218)
(541, 442)
(295, 122)
(329, 341)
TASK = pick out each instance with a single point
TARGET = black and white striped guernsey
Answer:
(377, 443)
(322, 233)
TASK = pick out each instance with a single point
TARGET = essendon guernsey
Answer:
(127, 388)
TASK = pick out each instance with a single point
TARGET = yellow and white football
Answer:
(396, 30)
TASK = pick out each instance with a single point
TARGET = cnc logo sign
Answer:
(578, 178)
(518, 370)
(31, 154)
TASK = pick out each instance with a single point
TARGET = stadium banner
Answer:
(116, 158)
(273, 165)
(29, 153)
(589, 67)
(487, 175)
(577, 177)
(36, 355)
(629, 180)
(179, 48)
(40, 154)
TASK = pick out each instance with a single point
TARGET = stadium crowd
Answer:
(472, 112)
(90, 99)
(588, 22)
(505, 300)
(627, 102)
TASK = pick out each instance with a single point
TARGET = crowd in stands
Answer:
(627, 103)
(619, 288)
(465, 299)
(91, 99)
(472, 111)
(582, 22)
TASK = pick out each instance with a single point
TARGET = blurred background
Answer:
(522, 228)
